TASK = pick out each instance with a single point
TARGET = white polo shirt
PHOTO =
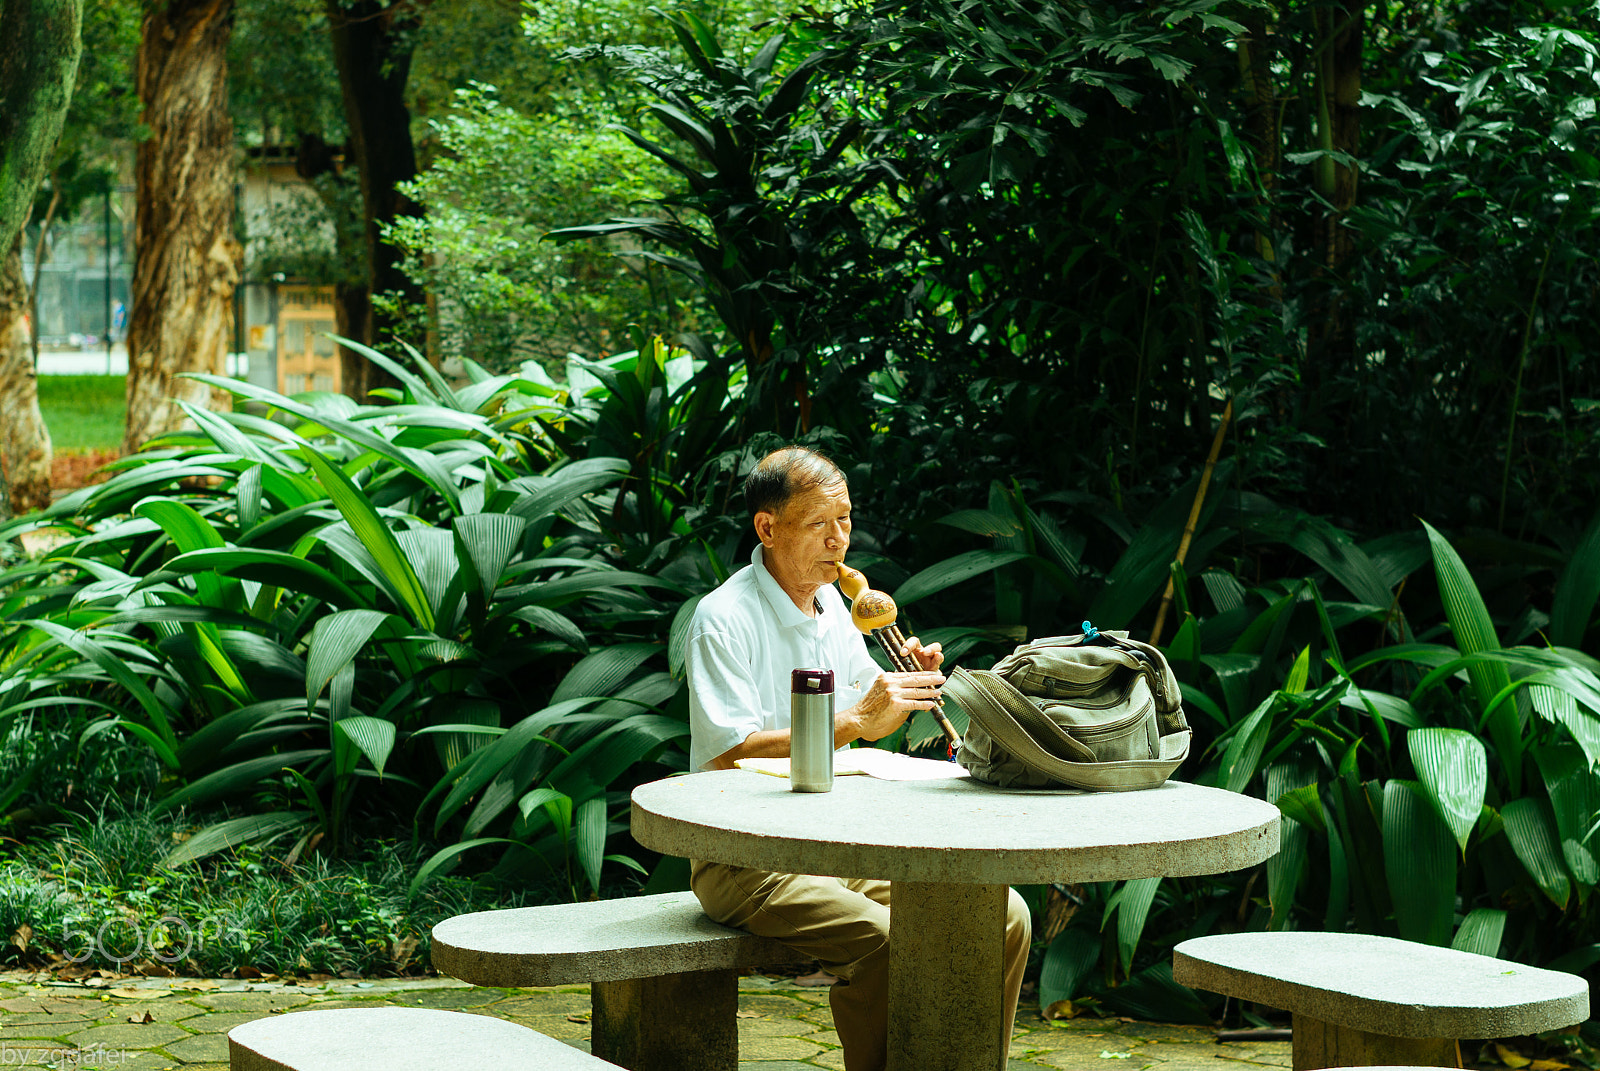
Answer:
(745, 639)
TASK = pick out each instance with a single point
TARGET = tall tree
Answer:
(186, 258)
(41, 42)
(373, 42)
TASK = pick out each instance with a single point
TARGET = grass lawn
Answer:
(83, 412)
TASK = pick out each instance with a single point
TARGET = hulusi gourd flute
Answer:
(875, 614)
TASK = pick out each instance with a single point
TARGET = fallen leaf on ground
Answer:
(1548, 1065)
(747, 1015)
(128, 991)
(145, 1018)
(1061, 1009)
(1511, 1057)
(1106, 1054)
(580, 1018)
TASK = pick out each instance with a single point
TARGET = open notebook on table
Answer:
(869, 761)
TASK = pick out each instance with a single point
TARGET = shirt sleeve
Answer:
(723, 696)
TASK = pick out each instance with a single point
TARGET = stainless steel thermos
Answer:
(811, 730)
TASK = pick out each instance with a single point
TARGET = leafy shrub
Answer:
(349, 613)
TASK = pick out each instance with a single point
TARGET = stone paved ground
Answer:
(150, 1024)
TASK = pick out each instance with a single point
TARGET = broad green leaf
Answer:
(558, 625)
(335, 641)
(374, 534)
(545, 495)
(1561, 707)
(1531, 829)
(185, 527)
(1574, 791)
(247, 497)
(1454, 770)
(1299, 673)
(590, 839)
(441, 860)
(486, 763)
(1577, 590)
(1070, 960)
(1131, 903)
(490, 539)
(373, 736)
(235, 831)
(1304, 805)
(453, 746)
(1474, 631)
(602, 673)
(118, 670)
(1480, 932)
(235, 778)
(983, 522)
(432, 553)
(678, 636)
(322, 416)
(1383, 705)
(1285, 869)
(1245, 748)
(592, 767)
(1419, 860)
(270, 567)
(538, 799)
(953, 571)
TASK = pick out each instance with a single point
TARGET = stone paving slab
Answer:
(782, 1026)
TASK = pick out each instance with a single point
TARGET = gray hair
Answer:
(785, 473)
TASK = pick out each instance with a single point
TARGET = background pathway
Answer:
(149, 1024)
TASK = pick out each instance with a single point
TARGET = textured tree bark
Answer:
(186, 259)
(1256, 50)
(1345, 108)
(372, 49)
(24, 439)
(40, 43)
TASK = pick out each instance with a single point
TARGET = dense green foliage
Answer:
(1009, 264)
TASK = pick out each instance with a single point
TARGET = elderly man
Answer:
(779, 614)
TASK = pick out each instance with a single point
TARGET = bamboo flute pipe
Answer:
(875, 614)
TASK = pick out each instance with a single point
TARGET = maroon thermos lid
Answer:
(811, 682)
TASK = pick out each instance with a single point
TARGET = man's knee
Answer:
(1019, 922)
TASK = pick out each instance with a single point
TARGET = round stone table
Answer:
(951, 847)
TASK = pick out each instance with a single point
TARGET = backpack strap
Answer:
(1014, 722)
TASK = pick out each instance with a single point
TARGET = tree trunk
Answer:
(24, 440)
(40, 43)
(1256, 50)
(186, 259)
(372, 42)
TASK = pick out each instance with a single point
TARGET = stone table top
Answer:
(953, 831)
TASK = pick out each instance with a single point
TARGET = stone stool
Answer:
(1364, 1001)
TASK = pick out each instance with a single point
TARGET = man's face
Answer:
(807, 537)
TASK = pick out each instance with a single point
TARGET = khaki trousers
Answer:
(844, 924)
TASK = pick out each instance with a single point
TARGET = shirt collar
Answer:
(789, 615)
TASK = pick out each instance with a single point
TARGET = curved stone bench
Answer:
(388, 1039)
(1363, 1001)
(663, 977)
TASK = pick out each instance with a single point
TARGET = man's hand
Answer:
(892, 699)
(930, 657)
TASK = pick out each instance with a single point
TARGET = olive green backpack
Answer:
(1096, 711)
